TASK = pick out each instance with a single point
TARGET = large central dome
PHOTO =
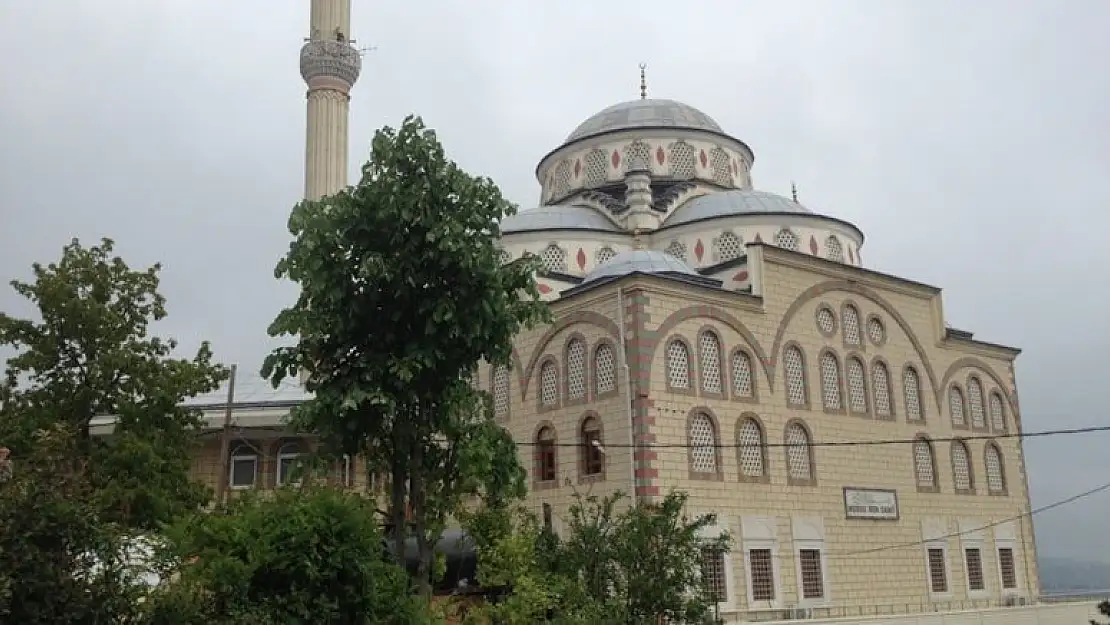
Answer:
(645, 113)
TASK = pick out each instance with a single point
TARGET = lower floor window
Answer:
(813, 579)
(713, 573)
(1007, 568)
(762, 572)
(974, 559)
(938, 571)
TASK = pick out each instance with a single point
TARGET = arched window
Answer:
(923, 464)
(554, 258)
(880, 383)
(998, 416)
(597, 168)
(728, 246)
(962, 476)
(637, 156)
(833, 249)
(605, 369)
(911, 389)
(678, 365)
(593, 461)
(721, 165)
(996, 472)
(710, 358)
(703, 444)
(546, 459)
(956, 406)
(500, 390)
(576, 369)
(288, 463)
(604, 255)
(787, 240)
(742, 381)
(683, 160)
(752, 448)
(677, 249)
(851, 325)
(830, 381)
(243, 470)
(549, 383)
(799, 453)
(857, 386)
(342, 471)
(975, 403)
(793, 364)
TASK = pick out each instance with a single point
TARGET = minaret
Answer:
(330, 65)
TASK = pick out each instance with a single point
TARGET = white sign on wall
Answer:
(871, 503)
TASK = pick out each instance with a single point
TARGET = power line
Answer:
(858, 443)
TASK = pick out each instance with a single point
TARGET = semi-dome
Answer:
(557, 217)
(640, 261)
(734, 202)
(645, 113)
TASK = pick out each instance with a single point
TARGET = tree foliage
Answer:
(1103, 609)
(616, 564)
(90, 354)
(313, 556)
(403, 291)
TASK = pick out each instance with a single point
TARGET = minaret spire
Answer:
(794, 191)
(643, 81)
(330, 65)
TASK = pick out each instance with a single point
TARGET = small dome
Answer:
(644, 114)
(734, 202)
(640, 261)
(556, 217)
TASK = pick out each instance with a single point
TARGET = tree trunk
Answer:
(420, 520)
(398, 531)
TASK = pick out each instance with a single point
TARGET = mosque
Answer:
(713, 338)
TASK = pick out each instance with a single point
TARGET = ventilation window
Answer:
(912, 390)
(751, 449)
(710, 348)
(857, 386)
(560, 182)
(798, 462)
(975, 403)
(500, 386)
(996, 482)
(833, 249)
(742, 384)
(956, 406)
(604, 255)
(597, 168)
(721, 164)
(605, 374)
(728, 246)
(678, 365)
(851, 325)
(576, 369)
(923, 464)
(998, 417)
(554, 258)
(703, 444)
(880, 380)
(830, 381)
(795, 376)
(787, 240)
(682, 160)
(875, 330)
(677, 249)
(826, 321)
(961, 466)
(549, 384)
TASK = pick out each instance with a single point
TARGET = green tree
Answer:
(59, 563)
(90, 355)
(402, 292)
(616, 563)
(303, 556)
(1103, 609)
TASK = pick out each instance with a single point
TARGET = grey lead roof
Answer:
(642, 261)
(569, 217)
(644, 114)
(733, 202)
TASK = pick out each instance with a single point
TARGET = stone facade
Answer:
(712, 369)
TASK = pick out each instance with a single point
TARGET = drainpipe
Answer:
(627, 393)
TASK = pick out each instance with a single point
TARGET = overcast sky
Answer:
(969, 140)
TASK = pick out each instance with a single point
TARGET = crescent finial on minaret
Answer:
(643, 81)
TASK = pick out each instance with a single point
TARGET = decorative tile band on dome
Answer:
(650, 113)
(557, 217)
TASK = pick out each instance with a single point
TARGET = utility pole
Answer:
(225, 443)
